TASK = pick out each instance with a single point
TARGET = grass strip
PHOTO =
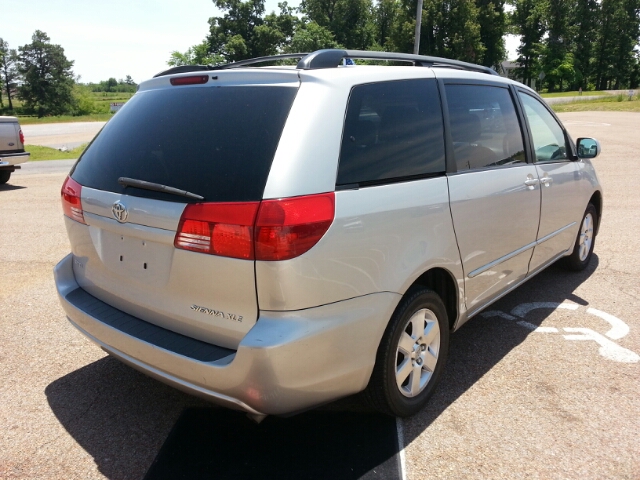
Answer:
(45, 153)
(585, 93)
(614, 103)
(98, 117)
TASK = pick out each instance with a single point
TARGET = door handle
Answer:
(531, 183)
(546, 181)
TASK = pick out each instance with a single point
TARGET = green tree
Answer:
(385, 16)
(557, 61)
(634, 79)
(8, 71)
(310, 37)
(47, 78)
(627, 18)
(618, 36)
(462, 31)
(84, 103)
(449, 29)
(286, 21)
(493, 27)
(527, 20)
(350, 21)
(584, 29)
(560, 73)
(196, 55)
(606, 44)
(112, 83)
(243, 31)
(402, 29)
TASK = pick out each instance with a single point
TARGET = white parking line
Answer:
(524, 308)
(618, 328)
(403, 466)
(608, 349)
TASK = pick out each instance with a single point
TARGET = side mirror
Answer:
(588, 147)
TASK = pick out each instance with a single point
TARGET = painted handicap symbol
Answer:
(608, 349)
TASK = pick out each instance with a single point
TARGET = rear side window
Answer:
(216, 142)
(484, 127)
(393, 131)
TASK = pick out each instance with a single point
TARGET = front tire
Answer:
(411, 355)
(585, 241)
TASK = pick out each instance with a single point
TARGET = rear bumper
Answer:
(8, 160)
(287, 362)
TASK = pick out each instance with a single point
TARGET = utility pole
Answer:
(416, 44)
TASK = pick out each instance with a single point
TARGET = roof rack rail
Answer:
(240, 63)
(253, 61)
(184, 69)
(331, 58)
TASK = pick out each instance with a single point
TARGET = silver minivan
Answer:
(274, 238)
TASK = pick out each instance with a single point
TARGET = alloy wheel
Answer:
(417, 352)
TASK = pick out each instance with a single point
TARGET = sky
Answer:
(113, 38)
(116, 38)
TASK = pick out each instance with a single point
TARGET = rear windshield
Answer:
(216, 142)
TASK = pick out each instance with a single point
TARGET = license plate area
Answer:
(136, 258)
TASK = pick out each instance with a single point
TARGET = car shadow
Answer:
(7, 187)
(122, 417)
(117, 415)
(482, 343)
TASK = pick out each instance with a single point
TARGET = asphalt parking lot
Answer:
(545, 384)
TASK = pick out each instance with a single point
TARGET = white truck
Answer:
(11, 148)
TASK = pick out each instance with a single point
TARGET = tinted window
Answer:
(548, 137)
(217, 142)
(484, 127)
(393, 130)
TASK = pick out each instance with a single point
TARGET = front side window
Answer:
(484, 127)
(393, 131)
(548, 138)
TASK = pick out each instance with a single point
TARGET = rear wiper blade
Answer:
(156, 187)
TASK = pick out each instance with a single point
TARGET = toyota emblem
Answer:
(119, 212)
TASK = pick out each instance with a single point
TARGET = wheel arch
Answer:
(596, 200)
(442, 282)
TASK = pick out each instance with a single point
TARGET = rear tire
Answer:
(4, 176)
(585, 241)
(411, 355)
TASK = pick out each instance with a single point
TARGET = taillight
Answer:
(21, 136)
(71, 200)
(269, 230)
(224, 229)
(289, 227)
(192, 80)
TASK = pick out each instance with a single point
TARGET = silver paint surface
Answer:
(494, 215)
(381, 240)
(135, 268)
(564, 201)
(288, 361)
